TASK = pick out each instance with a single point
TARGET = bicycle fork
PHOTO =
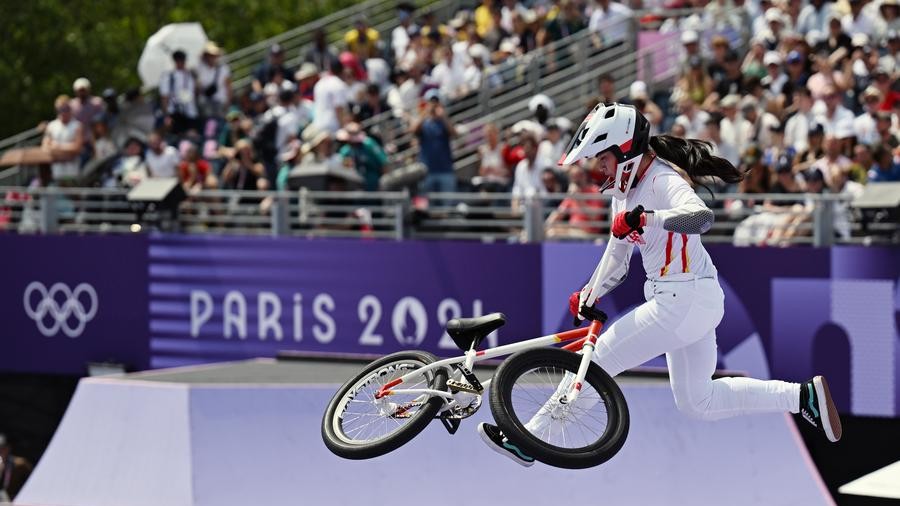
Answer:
(587, 352)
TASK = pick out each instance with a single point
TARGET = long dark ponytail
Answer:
(695, 158)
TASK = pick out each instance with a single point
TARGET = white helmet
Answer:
(620, 129)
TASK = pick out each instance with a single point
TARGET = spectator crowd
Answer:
(803, 92)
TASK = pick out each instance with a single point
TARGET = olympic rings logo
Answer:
(61, 314)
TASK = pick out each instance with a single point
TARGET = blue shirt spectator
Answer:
(884, 170)
(434, 130)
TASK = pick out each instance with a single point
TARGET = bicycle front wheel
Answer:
(525, 403)
(358, 426)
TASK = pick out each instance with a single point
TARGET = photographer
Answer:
(433, 129)
(178, 97)
(214, 82)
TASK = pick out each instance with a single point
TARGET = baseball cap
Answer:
(433, 94)
(783, 164)
(794, 57)
(81, 83)
(816, 129)
(276, 49)
(638, 89)
(813, 175)
(689, 37)
(772, 58)
(731, 100)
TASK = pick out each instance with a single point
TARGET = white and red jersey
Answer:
(667, 255)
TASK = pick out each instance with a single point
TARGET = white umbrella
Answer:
(157, 56)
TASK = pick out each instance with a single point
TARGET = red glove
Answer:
(573, 302)
(627, 222)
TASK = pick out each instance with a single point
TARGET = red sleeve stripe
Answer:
(685, 265)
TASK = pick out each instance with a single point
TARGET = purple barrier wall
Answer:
(68, 300)
(789, 313)
(224, 298)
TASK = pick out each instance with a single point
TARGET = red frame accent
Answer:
(583, 334)
(384, 390)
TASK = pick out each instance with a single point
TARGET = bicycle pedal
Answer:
(458, 386)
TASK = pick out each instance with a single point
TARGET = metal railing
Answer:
(743, 219)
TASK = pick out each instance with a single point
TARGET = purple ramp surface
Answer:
(138, 443)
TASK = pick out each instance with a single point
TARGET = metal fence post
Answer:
(649, 72)
(823, 223)
(281, 215)
(49, 211)
(533, 219)
(401, 209)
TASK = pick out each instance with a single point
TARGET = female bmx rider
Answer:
(684, 300)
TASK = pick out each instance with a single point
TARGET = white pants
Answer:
(680, 320)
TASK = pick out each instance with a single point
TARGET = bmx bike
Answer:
(556, 404)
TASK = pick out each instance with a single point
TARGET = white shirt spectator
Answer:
(329, 93)
(862, 24)
(450, 78)
(796, 131)
(180, 87)
(840, 121)
(206, 75)
(694, 127)
(549, 153)
(738, 132)
(399, 41)
(612, 23)
(811, 18)
(288, 126)
(64, 133)
(162, 164)
(727, 151)
(864, 129)
(528, 179)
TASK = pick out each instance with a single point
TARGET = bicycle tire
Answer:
(607, 444)
(332, 431)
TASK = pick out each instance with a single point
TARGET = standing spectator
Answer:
(214, 81)
(306, 78)
(362, 40)
(273, 69)
(273, 131)
(244, 171)
(363, 154)
(14, 471)
(884, 168)
(695, 83)
(528, 172)
(320, 54)
(484, 21)
(64, 139)
(797, 126)
(85, 106)
(178, 96)
(610, 22)
(331, 100)
(434, 131)
(195, 172)
(576, 218)
(161, 159)
(400, 34)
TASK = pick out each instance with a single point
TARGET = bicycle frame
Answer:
(584, 339)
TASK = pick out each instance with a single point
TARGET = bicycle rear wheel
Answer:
(358, 426)
(524, 401)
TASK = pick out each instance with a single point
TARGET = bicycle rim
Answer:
(573, 426)
(362, 420)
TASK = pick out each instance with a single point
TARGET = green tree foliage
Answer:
(46, 44)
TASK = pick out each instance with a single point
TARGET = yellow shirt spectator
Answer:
(484, 21)
(363, 41)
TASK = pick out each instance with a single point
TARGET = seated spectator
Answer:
(832, 162)
(692, 117)
(732, 79)
(721, 147)
(884, 168)
(354, 75)
(796, 128)
(569, 21)
(131, 168)
(64, 139)
(433, 129)
(493, 173)
(161, 159)
(841, 184)
(362, 153)
(484, 20)
(638, 95)
(400, 34)
(695, 83)
(195, 173)
(373, 105)
(103, 146)
(606, 85)
(887, 134)
(576, 218)
(814, 17)
(864, 124)
(362, 40)
(243, 170)
(306, 78)
(610, 21)
(449, 74)
(214, 82)
(831, 113)
(273, 68)
(735, 130)
(552, 188)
